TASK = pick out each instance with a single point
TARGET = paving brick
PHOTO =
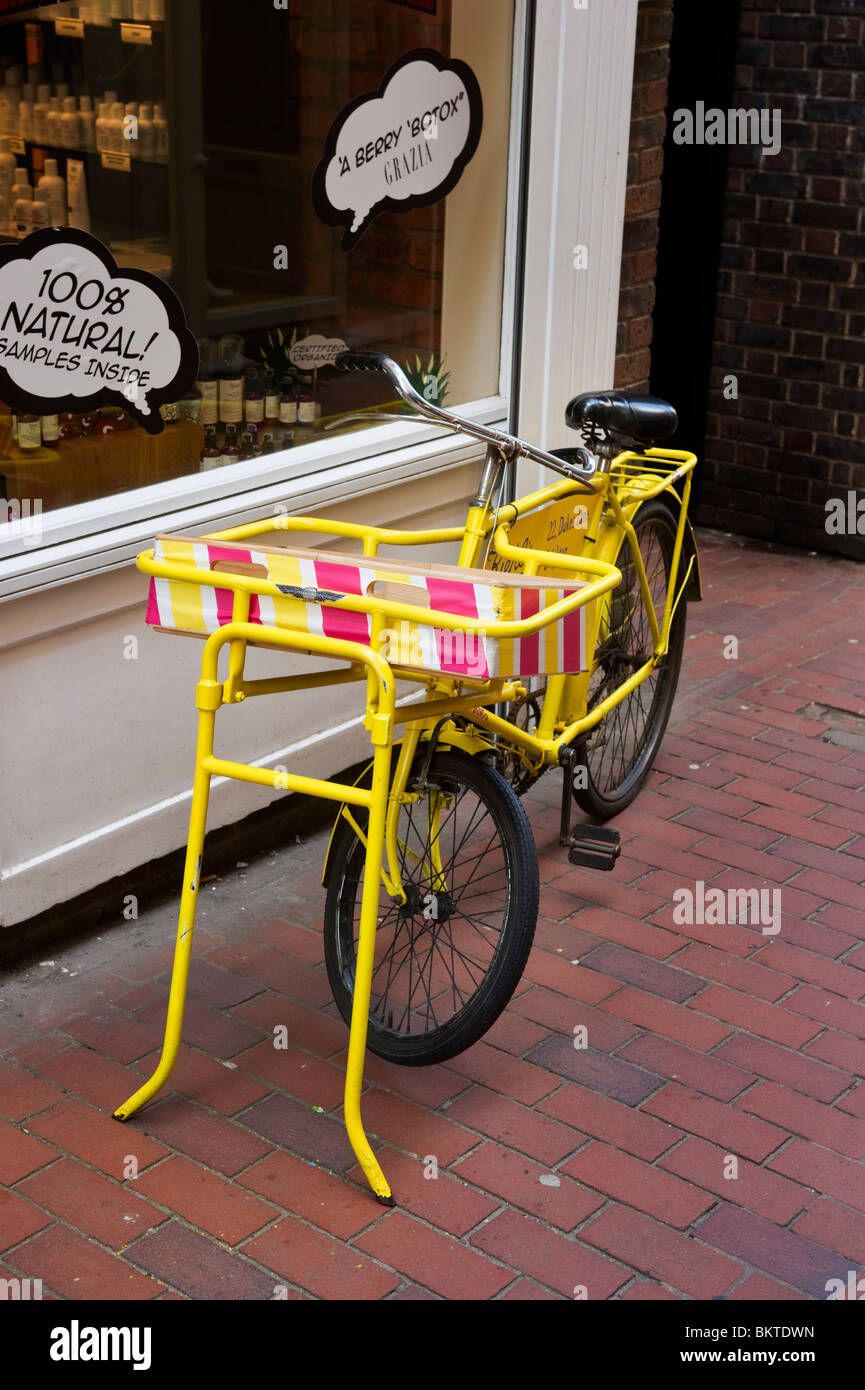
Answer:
(697, 1114)
(800, 826)
(444, 1201)
(639, 1185)
(780, 1064)
(23, 1094)
(676, 1063)
(652, 976)
(562, 1016)
(19, 1219)
(762, 979)
(515, 1125)
(308, 1028)
(765, 795)
(21, 1154)
(754, 1187)
(556, 1261)
(219, 1143)
(757, 1288)
(83, 1072)
(221, 988)
(300, 1074)
(813, 968)
(642, 1292)
(433, 1259)
(430, 1086)
(631, 1130)
(617, 1079)
(832, 889)
(667, 1019)
(667, 1255)
(209, 1082)
(806, 1117)
(218, 1207)
(836, 1228)
(828, 1010)
(209, 1029)
(113, 1212)
(199, 1267)
(112, 1033)
(726, 828)
(78, 1269)
(513, 1034)
(521, 1081)
(854, 1102)
(300, 1129)
(416, 1131)
(302, 1189)
(97, 1138)
(525, 1290)
(316, 1262)
(517, 1181)
(758, 1242)
(573, 981)
(625, 931)
(766, 1020)
(821, 1170)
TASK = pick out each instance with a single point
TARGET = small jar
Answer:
(271, 399)
(50, 429)
(191, 407)
(208, 389)
(288, 406)
(29, 432)
(306, 404)
(255, 400)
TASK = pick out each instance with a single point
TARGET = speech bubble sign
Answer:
(77, 332)
(315, 351)
(402, 147)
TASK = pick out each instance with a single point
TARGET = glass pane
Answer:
(89, 87)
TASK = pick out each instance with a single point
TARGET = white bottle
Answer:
(25, 112)
(22, 211)
(116, 142)
(8, 167)
(52, 189)
(61, 91)
(40, 113)
(55, 122)
(146, 132)
(79, 208)
(70, 126)
(87, 124)
(160, 132)
(41, 215)
(102, 127)
(130, 129)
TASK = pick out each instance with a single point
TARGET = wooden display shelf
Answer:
(81, 470)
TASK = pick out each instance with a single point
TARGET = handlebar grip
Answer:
(362, 361)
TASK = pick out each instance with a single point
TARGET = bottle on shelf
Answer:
(306, 413)
(55, 122)
(271, 398)
(121, 9)
(160, 132)
(141, 11)
(230, 447)
(102, 127)
(87, 124)
(288, 403)
(211, 456)
(29, 432)
(10, 100)
(70, 126)
(266, 444)
(40, 217)
(50, 429)
(53, 190)
(22, 209)
(146, 132)
(254, 397)
(157, 11)
(40, 113)
(231, 396)
(130, 129)
(25, 112)
(8, 166)
(116, 143)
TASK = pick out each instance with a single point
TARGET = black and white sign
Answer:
(315, 351)
(77, 332)
(402, 147)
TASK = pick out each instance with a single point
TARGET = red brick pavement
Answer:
(712, 1049)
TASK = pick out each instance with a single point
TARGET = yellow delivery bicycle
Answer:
(555, 640)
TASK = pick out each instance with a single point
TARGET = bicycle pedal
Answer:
(594, 847)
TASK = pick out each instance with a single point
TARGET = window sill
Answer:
(102, 535)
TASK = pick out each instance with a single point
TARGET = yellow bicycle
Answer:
(555, 640)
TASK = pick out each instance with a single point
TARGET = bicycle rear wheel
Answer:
(618, 753)
(447, 960)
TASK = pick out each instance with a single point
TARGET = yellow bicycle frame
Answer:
(618, 495)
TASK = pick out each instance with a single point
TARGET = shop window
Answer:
(186, 135)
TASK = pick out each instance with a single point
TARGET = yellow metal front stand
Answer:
(211, 694)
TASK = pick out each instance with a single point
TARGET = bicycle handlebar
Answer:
(511, 446)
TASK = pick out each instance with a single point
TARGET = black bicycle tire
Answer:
(506, 968)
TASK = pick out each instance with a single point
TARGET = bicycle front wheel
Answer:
(448, 960)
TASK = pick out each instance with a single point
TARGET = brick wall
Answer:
(790, 320)
(645, 164)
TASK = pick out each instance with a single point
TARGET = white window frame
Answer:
(106, 533)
